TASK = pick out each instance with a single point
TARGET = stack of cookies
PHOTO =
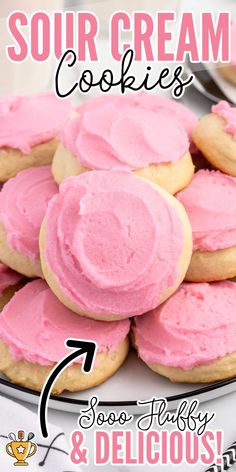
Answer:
(89, 224)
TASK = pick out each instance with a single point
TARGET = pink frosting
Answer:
(224, 110)
(113, 242)
(8, 278)
(26, 121)
(23, 203)
(122, 133)
(35, 326)
(147, 101)
(196, 326)
(210, 202)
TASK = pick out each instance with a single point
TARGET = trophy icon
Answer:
(21, 448)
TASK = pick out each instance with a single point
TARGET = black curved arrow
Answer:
(81, 347)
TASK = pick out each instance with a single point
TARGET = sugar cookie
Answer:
(215, 136)
(192, 336)
(113, 245)
(33, 329)
(23, 203)
(210, 202)
(122, 133)
(29, 126)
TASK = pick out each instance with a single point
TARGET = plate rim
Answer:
(197, 392)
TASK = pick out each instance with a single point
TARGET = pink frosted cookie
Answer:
(29, 126)
(215, 136)
(210, 202)
(10, 281)
(192, 336)
(151, 102)
(228, 71)
(23, 203)
(127, 133)
(113, 245)
(33, 329)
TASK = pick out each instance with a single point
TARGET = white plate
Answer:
(134, 381)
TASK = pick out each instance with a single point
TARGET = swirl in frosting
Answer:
(147, 101)
(128, 136)
(113, 242)
(26, 121)
(23, 203)
(210, 202)
(35, 326)
(182, 331)
(8, 278)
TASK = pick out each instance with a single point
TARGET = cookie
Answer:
(148, 101)
(114, 245)
(23, 203)
(10, 282)
(122, 133)
(185, 339)
(33, 329)
(29, 126)
(210, 202)
(215, 136)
